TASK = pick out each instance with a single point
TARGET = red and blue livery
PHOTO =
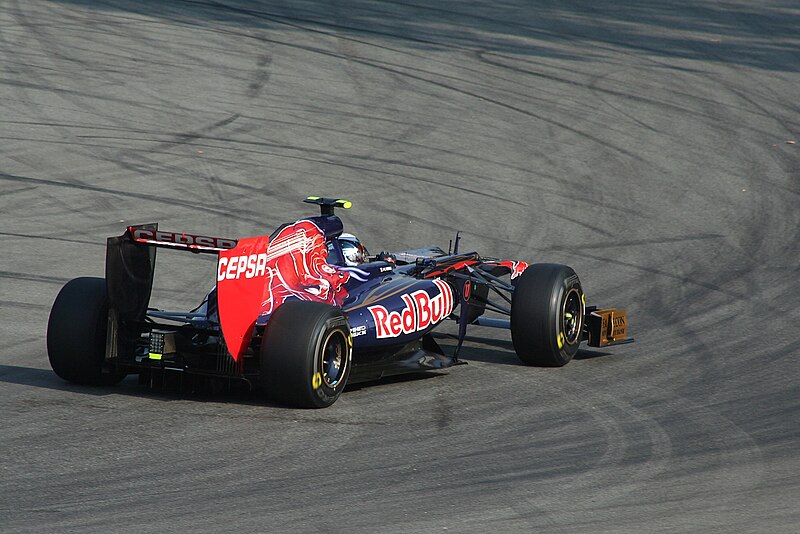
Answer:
(303, 312)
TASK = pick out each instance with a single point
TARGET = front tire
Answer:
(547, 311)
(306, 354)
(76, 333)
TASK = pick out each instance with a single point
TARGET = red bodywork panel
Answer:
(259, 274)
(449, 268)
(239, 296)
(516, 267)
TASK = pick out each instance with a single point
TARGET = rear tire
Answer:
(306, 354)
(547, 311)
(76, 333)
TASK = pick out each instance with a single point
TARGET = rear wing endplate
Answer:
(130, 265)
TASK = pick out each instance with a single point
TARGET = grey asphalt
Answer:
(652, 146)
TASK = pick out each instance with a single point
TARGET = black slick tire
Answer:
(76, 333)
(305, 355)
(547, 312)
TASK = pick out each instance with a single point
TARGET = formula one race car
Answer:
(306, 310)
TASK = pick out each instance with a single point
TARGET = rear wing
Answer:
(149, 234)
(130, 265)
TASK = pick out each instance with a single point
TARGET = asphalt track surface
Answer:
(649, 145)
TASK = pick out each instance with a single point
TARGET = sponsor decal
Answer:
(619, 326)
(181, 240)
(614, 324)
(235, 267)
(360, 330)
(420, 312)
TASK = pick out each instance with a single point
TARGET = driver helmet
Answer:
(353, 251)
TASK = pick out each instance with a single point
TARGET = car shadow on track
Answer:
(394, 379)
(40, 378)
(130, 387)
(47, 379)
(493, 351)
(498, 351)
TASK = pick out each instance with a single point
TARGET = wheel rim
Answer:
(572, 316)
(334, 358)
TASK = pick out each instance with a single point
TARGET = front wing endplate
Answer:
(607, 327)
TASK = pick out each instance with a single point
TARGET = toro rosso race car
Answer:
(306, 310)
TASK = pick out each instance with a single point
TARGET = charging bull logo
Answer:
(516, 267)
(420, 312)
(295, 264)
(260, 274)
(300, 269)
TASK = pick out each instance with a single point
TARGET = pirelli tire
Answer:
(76, 333)
(547, 313)
(306, 354)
